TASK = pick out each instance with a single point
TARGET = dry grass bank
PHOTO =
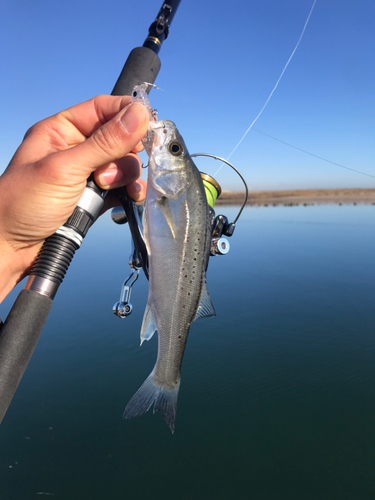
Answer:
(299, 197)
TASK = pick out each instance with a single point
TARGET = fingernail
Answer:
(111, 176)
(137, 187)
(133, 117)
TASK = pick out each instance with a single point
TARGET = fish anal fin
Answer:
(205, 308)
(148, 325)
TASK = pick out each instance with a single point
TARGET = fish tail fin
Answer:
(166, 405)
(149, 393)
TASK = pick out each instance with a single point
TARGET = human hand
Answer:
(47, 175)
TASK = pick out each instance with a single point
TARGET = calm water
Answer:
(277, 399)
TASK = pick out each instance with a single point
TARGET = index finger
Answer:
(88, 116)
(69, 127)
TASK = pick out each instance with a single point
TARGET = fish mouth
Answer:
(164, 124)
(161, 132)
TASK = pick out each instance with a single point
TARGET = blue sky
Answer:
(219, 65)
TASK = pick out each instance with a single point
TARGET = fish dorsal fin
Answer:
(148, 325)
(206, 308)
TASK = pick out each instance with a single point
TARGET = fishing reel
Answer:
(131, 213)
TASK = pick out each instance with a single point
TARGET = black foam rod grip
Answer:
(142, 65)
(18, 337)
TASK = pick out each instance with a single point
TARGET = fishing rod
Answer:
(21, 330)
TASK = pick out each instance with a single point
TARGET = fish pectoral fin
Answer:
(145, 234)
(205, 308)
(148, 325)
(167, 213)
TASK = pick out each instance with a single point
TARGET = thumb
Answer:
(112, 141)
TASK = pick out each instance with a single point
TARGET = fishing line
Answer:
(276, 85)
(312, 154)
(238, 173)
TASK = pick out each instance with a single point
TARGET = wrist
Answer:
(15, 259)
(9, 277)
(14, 265)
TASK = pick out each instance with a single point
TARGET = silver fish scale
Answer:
(177, 272)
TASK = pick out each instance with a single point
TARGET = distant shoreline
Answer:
(299, 197)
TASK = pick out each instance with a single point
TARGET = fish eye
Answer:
(176, 148)
(135, 93)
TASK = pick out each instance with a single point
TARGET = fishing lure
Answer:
(140, 94)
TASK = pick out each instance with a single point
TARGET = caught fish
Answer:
(178, 235)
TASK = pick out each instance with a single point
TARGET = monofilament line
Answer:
(277, 83)
(312, 154)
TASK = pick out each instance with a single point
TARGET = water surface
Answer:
(277, 398)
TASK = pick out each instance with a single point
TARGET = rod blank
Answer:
(18, 338)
